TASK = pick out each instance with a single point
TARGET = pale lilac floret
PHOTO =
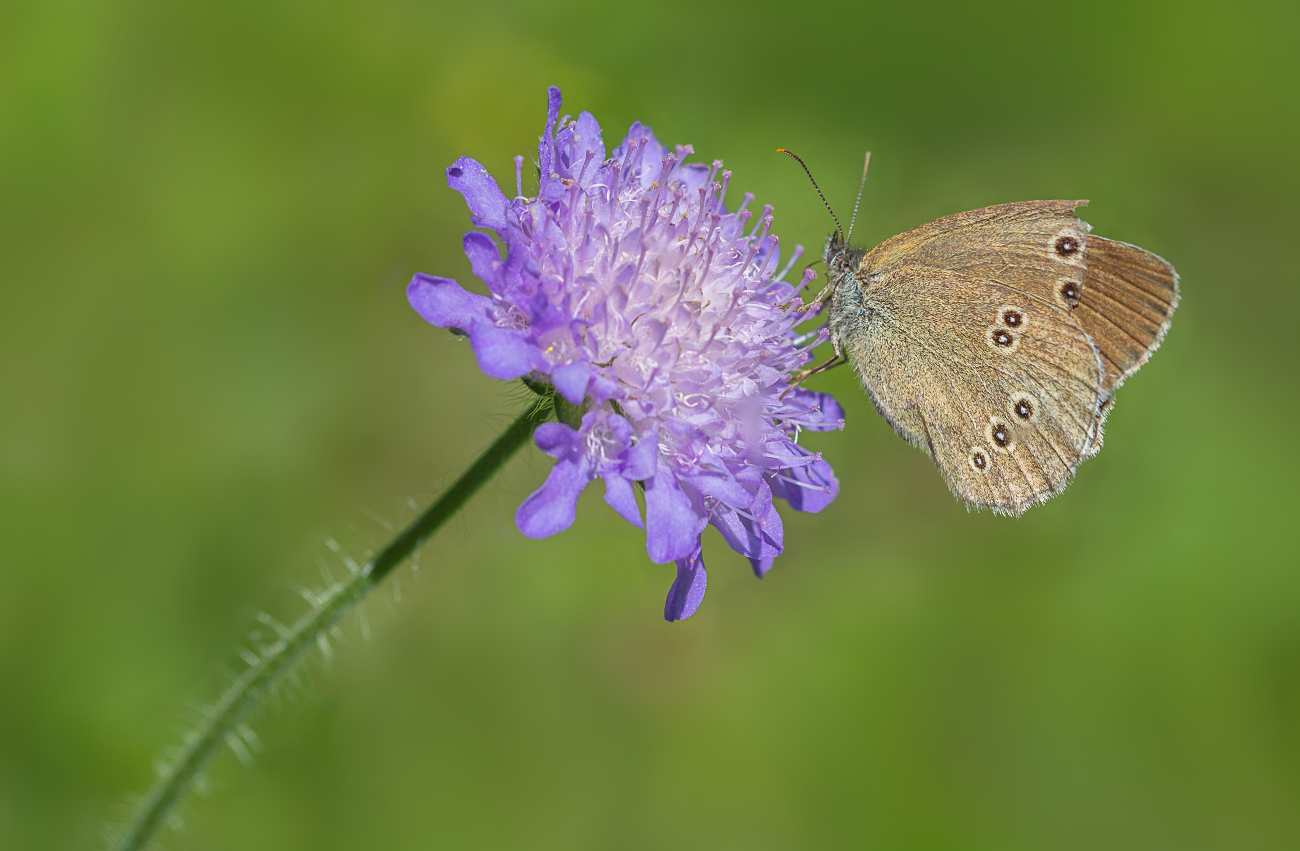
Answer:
(628, 286)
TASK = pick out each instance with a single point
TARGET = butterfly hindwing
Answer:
(1000, 389)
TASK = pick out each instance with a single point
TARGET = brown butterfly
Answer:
(995, 340)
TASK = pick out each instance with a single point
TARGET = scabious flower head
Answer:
(628, 287)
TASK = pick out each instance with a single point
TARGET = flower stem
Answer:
(220, 722)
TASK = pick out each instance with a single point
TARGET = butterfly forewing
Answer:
(1037, 247)
(1128, 298)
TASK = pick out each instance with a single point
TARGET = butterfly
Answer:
(995, 339)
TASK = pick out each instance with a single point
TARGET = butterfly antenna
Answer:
(861, 186)
(838, 227)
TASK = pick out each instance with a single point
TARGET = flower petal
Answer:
(557, 439)
(484, 259)
(487, 205)
(620, 428)
(742, 535)
(601, 389)
(672, 527)
(720, 484)
(824, 413)
(546, 150)
(761, 566)
(571, 380)
(619, 496)
(643, 456)
(756, 533)
(501, 352)
(688, 588)
(767, 519)
(809, 487)
(586, 139)
(552, 507)
(445, 303)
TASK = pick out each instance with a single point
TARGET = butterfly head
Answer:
(842, 259)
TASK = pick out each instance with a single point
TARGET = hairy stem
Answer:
(245, 693)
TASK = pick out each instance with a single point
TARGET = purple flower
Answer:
(628, 286)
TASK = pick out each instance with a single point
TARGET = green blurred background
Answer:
(208, 215)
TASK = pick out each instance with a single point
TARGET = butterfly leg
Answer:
(827, 293)
(837, 359)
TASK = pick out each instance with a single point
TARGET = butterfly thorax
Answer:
(847, 308)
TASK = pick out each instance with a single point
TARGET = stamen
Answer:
(726, 178)
(790, 480)
(821, 335)
(591, 155)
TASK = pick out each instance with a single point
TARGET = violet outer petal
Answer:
(672, 528)
(571, 380)
(810, 487)
(757, 536)
(720, 485)
(620, 428)
(820, 472)
(557, 439)
(487, 204)
(601, 389)
(827, 414)
(761, 566)
(735, 533)
(484, 259)
(586, 138)
(504, 353)
(501, 352)
(643, 457)
(552, 507)
(695, 175)
(767, 519)
(445, 303)
(546, 149)
(619, 496)
(688, 588)
(741, 534)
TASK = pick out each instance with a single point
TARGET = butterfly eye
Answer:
(1013, 318)
(1002, 338)
(978, 459)
(1024, 410)
(1067, 245)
